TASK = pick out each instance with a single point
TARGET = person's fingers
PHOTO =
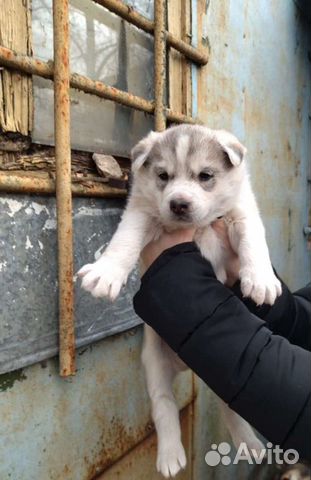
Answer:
(165, 241)
(178, 236)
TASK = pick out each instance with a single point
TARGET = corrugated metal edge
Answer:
(31, 359)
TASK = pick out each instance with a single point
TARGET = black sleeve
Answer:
(290, 316)
(260, 375)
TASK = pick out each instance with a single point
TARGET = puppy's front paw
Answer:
(260, 284)
(103, 278)
(171, 459)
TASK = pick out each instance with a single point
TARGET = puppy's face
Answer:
(188, 174)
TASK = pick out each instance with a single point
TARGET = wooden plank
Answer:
(15, 88)
(42, 158)
(186, 85)
(203, 42)
(179, 23)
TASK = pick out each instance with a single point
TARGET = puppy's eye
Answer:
(204, 176)
(163, 176)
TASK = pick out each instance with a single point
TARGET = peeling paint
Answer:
(13, 205)
(50, 224)
(3, 265)
(95, 212)
(28, 243)
(37, 208)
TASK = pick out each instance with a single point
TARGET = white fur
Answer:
(146, 215)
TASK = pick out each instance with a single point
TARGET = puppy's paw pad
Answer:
(171, 460)
(103, 278)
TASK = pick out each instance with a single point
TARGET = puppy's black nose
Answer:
(179, 207)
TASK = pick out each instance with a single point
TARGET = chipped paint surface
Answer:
(3, 265)
(11, 205)
(28, 243)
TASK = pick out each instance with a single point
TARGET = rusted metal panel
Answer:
(139, 463)
(73, 429)
(257, 84)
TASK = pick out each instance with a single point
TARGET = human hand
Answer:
(168, 239)
(152, 251)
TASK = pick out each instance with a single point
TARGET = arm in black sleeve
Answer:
(260, 375)
(290, 316)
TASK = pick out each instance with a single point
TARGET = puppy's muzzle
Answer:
(180, 208)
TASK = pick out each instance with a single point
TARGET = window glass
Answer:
(105, 48)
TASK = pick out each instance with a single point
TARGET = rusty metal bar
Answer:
(133, 17)
(33, 66)
(159, 64)
(20, 182)
(63, 187)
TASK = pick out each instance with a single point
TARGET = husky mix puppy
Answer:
(186, 176)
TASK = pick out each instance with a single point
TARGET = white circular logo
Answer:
(218, 454)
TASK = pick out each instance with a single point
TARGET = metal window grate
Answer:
(63, 80)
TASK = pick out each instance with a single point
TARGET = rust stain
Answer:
(125, 440)
(66, 470)
(159, 65)
(139, 460)
(63, 187)
(290, 243)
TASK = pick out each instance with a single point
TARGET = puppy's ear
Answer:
(231, 146)
(140, 152)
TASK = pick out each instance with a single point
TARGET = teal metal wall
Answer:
(258, 86)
